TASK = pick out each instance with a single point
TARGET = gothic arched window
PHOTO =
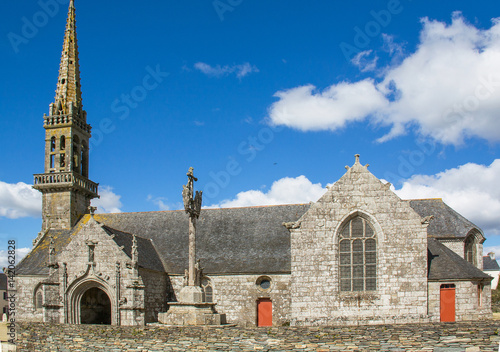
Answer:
(470, 249)
(83, 159)
(357, 256)
(76, 154)
(53, 144)
(208, 292)
(39, 300)
(62, 143)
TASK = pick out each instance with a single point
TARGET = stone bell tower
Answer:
(65, 185)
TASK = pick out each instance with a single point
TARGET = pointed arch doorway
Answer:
(91, 301)
(95, 307)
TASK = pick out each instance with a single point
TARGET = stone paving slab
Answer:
(480, 336)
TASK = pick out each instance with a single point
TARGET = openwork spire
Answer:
(68, 93)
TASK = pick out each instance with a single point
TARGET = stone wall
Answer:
(62, 208)
(122, 288)
(464, 337)
(25, 286)
(467, 305)
(237, 296)
(155, 298)
(401, 292)
(456, 245)
(4, 303)
(480, 256)
(136, 296)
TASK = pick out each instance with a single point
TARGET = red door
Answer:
(264, 312)
(447, 303)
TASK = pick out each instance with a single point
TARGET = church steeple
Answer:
(65, 186)
(68, 85)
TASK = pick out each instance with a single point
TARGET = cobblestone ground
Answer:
(449, 337)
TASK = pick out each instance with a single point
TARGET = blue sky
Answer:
(266, 100)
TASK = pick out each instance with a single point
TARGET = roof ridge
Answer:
(220, 208)
(435, 199)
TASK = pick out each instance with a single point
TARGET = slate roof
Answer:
(243, 240)
(444, 264)
(490, 264)
(35, 263)
(446, 222)
(230, 240)
(148, 257)
(3, 282)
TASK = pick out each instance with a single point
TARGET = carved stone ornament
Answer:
(427, 220)
(192, 205)
(292, 225)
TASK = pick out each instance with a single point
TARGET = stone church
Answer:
(359, 255)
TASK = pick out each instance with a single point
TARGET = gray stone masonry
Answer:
(127, 297)
(156, 287)
(136, 295)
(236, 296)
(27, 287)
(401, 292)
(478, 336)
(457, 246)
(467, 304)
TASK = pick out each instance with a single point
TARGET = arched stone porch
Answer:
(91, 301)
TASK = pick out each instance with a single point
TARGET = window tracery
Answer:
(357, 256)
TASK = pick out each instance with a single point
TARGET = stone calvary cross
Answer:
(190, 309)
(192, 206)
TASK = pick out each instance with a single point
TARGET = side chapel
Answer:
(359, 255)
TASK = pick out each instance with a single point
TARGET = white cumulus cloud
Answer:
(284, 191)
(471, 189)
(19, 200)
(20, 254)
(160, 202)
(240, 71)
(109, 202)
(449, 88)
(308, 109)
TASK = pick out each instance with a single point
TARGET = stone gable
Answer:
(401, 264)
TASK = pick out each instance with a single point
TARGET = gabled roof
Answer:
(490, 264)
(231, 240)
(446, 222)
(444, 264)
(35, 263)
(148, 257)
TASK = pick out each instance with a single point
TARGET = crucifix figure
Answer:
(92, 210)
(192, 206)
